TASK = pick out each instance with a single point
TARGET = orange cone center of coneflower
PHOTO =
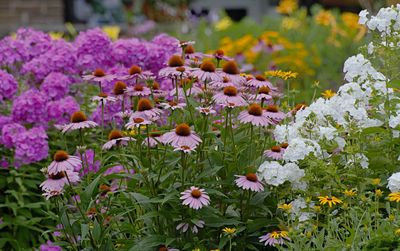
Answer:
(284, 145)
(251, 177)
(115, 134)
(206, 110)
(163, 249)
(181, 69)
(300, 107)
(219, 52)
(91, 211)
(99, 73)
(189, 49)
(144, 104)
(172, 103)
(156, 86)
(78, 117)
(57, 176)
(260, 78)
(230, 91)
(264, 90)
(175, 61)
(138, 120)
(207, 66)
(230, 68)
(182, 130)
(104, 188)
(103, 95)
(60, 156)
(119, 88)
(155, 134)
(272, 108)
(135, 70)
(276, 149)
(249, 78)
(185, 147)
(196, 193)
(255, 110)
(225, 79)
(138, 88)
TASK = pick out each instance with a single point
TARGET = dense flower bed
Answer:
(157, 147)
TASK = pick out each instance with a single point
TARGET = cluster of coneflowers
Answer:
(156, 119)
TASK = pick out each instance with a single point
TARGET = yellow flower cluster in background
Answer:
(287, 6)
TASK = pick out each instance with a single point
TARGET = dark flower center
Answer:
(189, 49)
(119, 88)
(138, 120)
(185, 147)
(144, 104)
(264, 90)
(135, 70)
(230, 91)
(219, 53)
(115, 134)
(299, 107)
(138, 88)
(260, 78)
(196, 193)
(78, 117)
(172, 103)
(60, 156)
(225, 79)
(103, 95)
(175, 61)
(182, 130)
(99, 73)
(276, 149)
(284, 145)
(57, 176)
(255, 109)
(251, 177)
(272, 108)
(163, 248)
(180, 69)
(230, 68)
(156, 86)
(207, 66)
(104, 188)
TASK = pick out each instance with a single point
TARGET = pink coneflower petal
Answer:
(181, 136)
(63, 162)
(255, 116)
(249, 182)
(195, 198)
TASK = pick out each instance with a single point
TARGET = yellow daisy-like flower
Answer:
(228, 230)
(378, 193)
(56, 35)
(350, 193)
(397, 232)
(223, 24)
(287, 6)
(350, 20)
(290, 23)
(279, 234)
(330, 200)
(328, 94)
(282, 74)
(376, 181)
(325, 18)
(112, 31)
(394, 197)
(285, 207)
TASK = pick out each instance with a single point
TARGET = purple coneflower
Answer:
(136, 122)
(231, 71)
(99, 76)
(78, 121)
(175, 68)
(185, 149)
(173, 105)
(116, 138)
(135, 72)
(157, 92)
(274, 238)
(276, 152)
(206, 110)
(62, 161)
(138, 91)
(249, 182)
(191, 54)
(119, 90)
(181, 136)
(146, 110)
(255, 116)
(229, 96)
(206, 72)
(263, 94)
(55, 183)
(194, 227)
(154, 139)
(195, 198)
(272, 112)
(222, 83)
(103, 98)
(259, 81)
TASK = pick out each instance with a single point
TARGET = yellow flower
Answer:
(350, 20)
(287, 6)
(378, 193)
(290, 23)
(397, 232)
(228, 230)
(279, 234)
(350, 193)
(285, 207)
(282, 74)
(325, 18)
(56, 35)
(112, 31)
(394, 196)
(223, 24)
(327, 94)
(376, 181)
(392, 217)
(330, 200)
